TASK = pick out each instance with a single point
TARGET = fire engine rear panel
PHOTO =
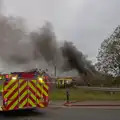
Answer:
(21, 93)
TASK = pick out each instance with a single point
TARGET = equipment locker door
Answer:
(23, 93)
(27, 93)
(32, 93)
(10, 94)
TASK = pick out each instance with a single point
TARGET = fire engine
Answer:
(24, 90)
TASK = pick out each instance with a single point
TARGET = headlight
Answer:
(41, 80)
(14, 78)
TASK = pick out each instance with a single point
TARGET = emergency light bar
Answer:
(40, 79)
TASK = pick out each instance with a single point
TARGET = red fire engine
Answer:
(24, 90)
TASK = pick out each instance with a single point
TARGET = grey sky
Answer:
(85, 22)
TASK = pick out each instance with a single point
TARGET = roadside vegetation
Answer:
(0, 88)
(83, 95)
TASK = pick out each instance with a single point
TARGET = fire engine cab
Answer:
(21, 90)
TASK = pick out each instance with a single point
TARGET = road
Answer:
(64, 114)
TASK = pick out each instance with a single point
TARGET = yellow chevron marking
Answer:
(42, 90)
(34, 81)
(32, 87)
(22, 96)
(33, 96)
(20, 81)
(13, 105)
(9, 83)
(14, 96)
(44, 84)
(11, 90)
(41, 105)
(31, 102)
(38, 94)
(22, 87)
(23, 103)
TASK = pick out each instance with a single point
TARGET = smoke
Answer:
(23, 50)
(75, 59)
(45, 44)
(66, 58)
(12, 33)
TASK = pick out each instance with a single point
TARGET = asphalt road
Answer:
(63, 114)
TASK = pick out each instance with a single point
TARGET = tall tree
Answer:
(109, 54)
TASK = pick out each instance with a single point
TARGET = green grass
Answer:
(1, 88)
(83, 95)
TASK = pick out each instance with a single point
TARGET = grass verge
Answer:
(83, 95)
(1, 88)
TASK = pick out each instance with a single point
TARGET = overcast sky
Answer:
(85, 22)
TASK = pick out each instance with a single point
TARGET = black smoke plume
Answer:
(73, 57)
(19, 47)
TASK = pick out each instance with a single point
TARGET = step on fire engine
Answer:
(24, 90)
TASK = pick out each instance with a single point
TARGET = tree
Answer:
(109, 54)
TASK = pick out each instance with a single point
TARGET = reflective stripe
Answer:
(23, 86)
(9, 84)
(30, 93)
(13, 105)
(41, 105)
(23, 93)
(22, 96)
(33, 96)
(31, 102)
(23, 103)
(10, 91)
(42, 90)
(32, 90)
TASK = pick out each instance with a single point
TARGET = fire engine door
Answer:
(22, 94)
(30, 93)
(27, 93)
(10, 94)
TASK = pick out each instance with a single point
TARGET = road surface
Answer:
(64, 114)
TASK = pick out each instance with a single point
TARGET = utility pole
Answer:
(55, 66)
(55, 69)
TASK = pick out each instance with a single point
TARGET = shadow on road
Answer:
(20, 113)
